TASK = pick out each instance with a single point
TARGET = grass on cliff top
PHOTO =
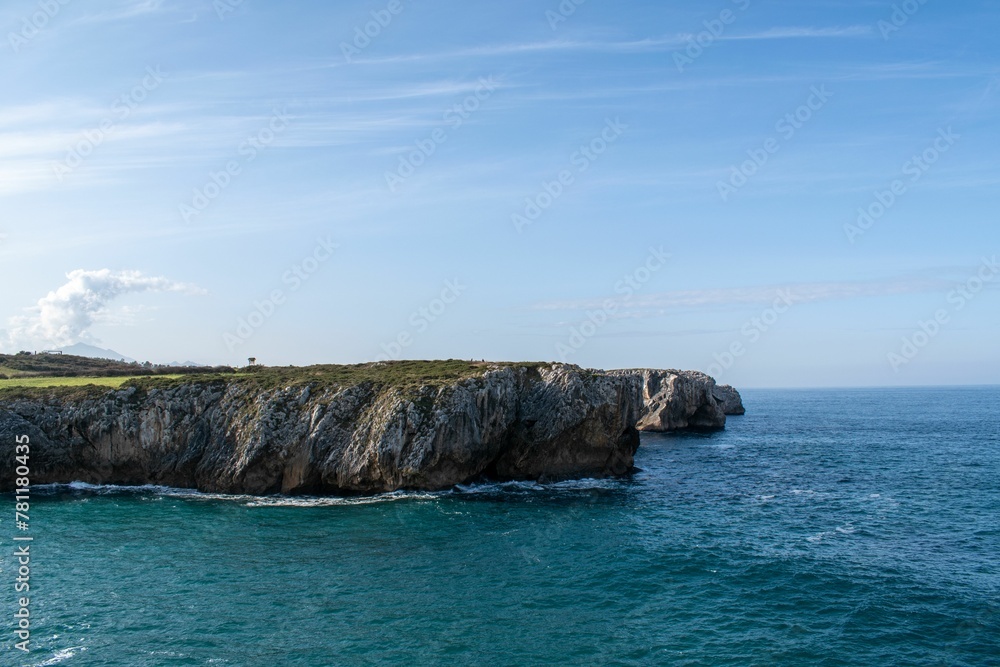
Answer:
(391, 373)
(49, 365)
(402, 374)
(63, 387)
(113, 382)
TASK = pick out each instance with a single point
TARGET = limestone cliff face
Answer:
(676, 400)
(510, 422)
(729, 399)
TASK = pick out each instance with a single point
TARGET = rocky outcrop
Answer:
(729, 399)
(511, 422)
(524, 422)
(675, 400)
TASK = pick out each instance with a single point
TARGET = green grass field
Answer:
(113, 382)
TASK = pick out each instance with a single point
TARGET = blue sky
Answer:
(612, 184)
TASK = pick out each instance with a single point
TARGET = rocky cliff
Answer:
(359, 433)
(676, 400)
(729, 399)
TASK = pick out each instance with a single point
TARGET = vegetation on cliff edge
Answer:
(407, 375)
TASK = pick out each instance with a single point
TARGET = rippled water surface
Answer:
(847, 527)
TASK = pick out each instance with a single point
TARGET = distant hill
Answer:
(92, 352)
(57, 364)
(84, 350)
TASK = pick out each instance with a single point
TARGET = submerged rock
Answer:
(525, 422)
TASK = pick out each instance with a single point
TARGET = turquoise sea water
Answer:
(847, 527)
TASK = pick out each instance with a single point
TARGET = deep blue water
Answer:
(842, 527)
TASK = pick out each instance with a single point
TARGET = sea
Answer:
(825, 527)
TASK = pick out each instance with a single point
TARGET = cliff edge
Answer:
(352, 429)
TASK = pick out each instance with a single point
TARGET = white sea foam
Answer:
(536, 487)
(485, 488)
(81, 486)
(107, 489)
(61, 655)
(153, 489)
(839, 531)
(315, 501)
(491, 487)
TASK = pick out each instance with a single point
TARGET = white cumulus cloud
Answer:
(64, 315)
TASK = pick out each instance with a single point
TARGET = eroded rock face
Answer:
(729, 399)
(514, 422)
(675, 400)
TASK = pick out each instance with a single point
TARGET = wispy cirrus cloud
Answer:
(813, 292)
(798, 32)
(125, 11)
(645, 45)
(548, 46)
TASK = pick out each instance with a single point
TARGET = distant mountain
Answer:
(84, 350)
(187, 364)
